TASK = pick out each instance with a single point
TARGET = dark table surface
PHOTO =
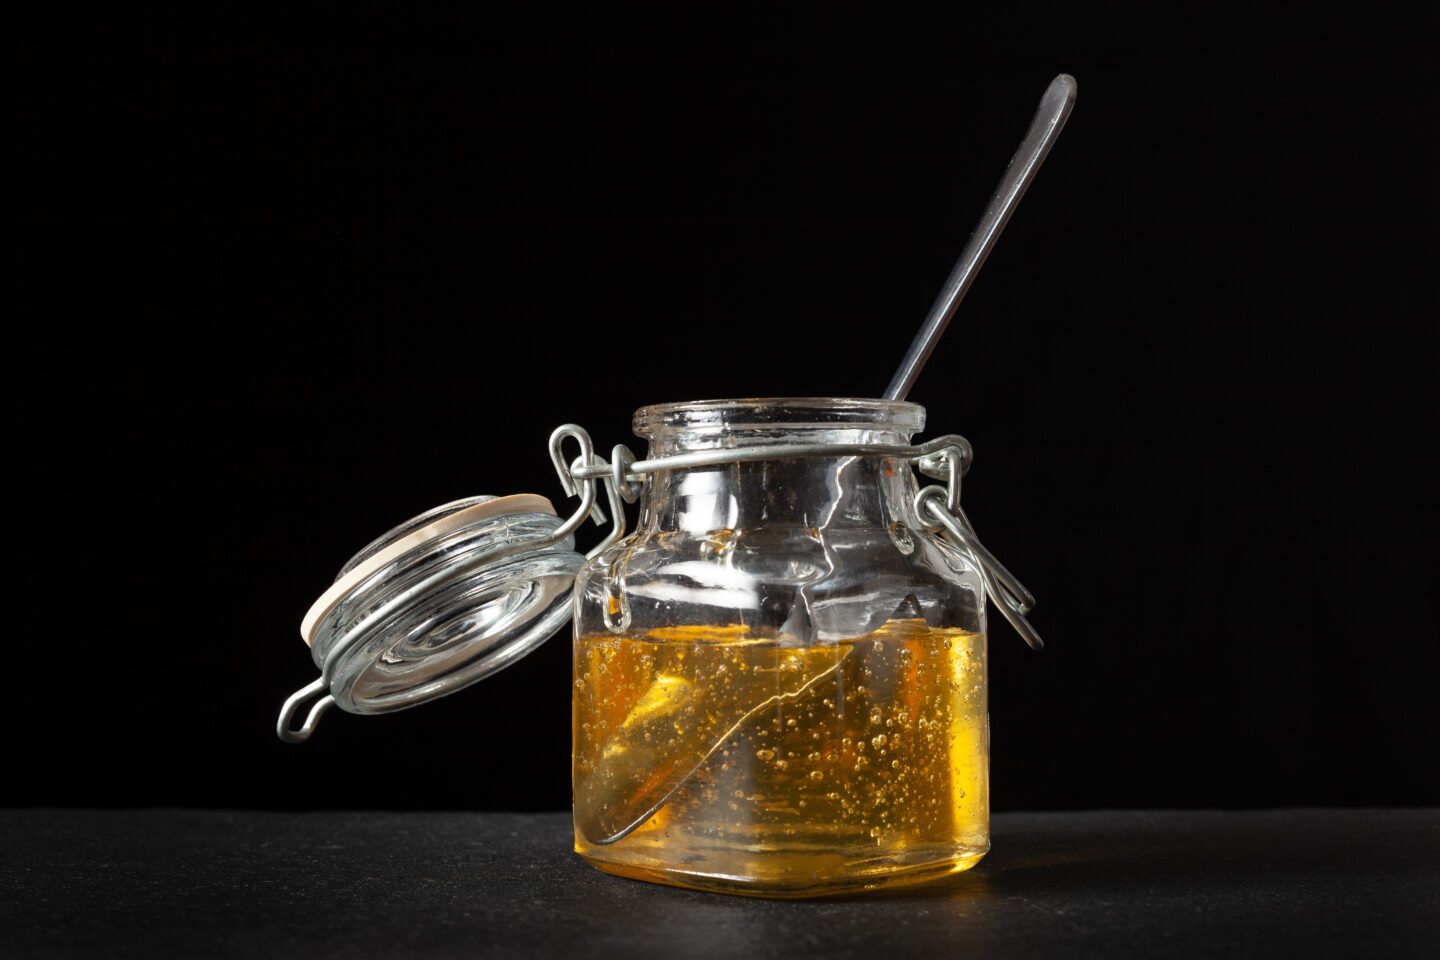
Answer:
(162, 883)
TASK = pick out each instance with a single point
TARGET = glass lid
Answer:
(437, 603)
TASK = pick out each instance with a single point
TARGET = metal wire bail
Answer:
(945, 458)
(1008, 593)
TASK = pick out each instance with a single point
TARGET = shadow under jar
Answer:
(780, 676)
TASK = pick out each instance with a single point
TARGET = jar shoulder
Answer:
(815, 584)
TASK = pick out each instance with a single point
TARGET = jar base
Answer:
(797, 889)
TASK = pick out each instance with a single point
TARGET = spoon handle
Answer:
(1054, 109)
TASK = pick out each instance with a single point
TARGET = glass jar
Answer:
(780, 676)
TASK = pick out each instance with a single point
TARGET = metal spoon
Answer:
(642, 775)
(638, 780)
(1054, 110)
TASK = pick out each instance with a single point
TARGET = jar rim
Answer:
(778, 413)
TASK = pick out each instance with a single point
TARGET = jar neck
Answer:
(808, 494)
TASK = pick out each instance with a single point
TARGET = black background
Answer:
(349, 264)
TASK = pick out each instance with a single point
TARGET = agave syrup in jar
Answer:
(802, 769)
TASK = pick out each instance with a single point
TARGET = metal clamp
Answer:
(946, 458)
(1008, 593)
(578, 476)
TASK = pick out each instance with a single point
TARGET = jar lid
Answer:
(437, 603)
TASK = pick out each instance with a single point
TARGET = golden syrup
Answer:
(710, 758)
